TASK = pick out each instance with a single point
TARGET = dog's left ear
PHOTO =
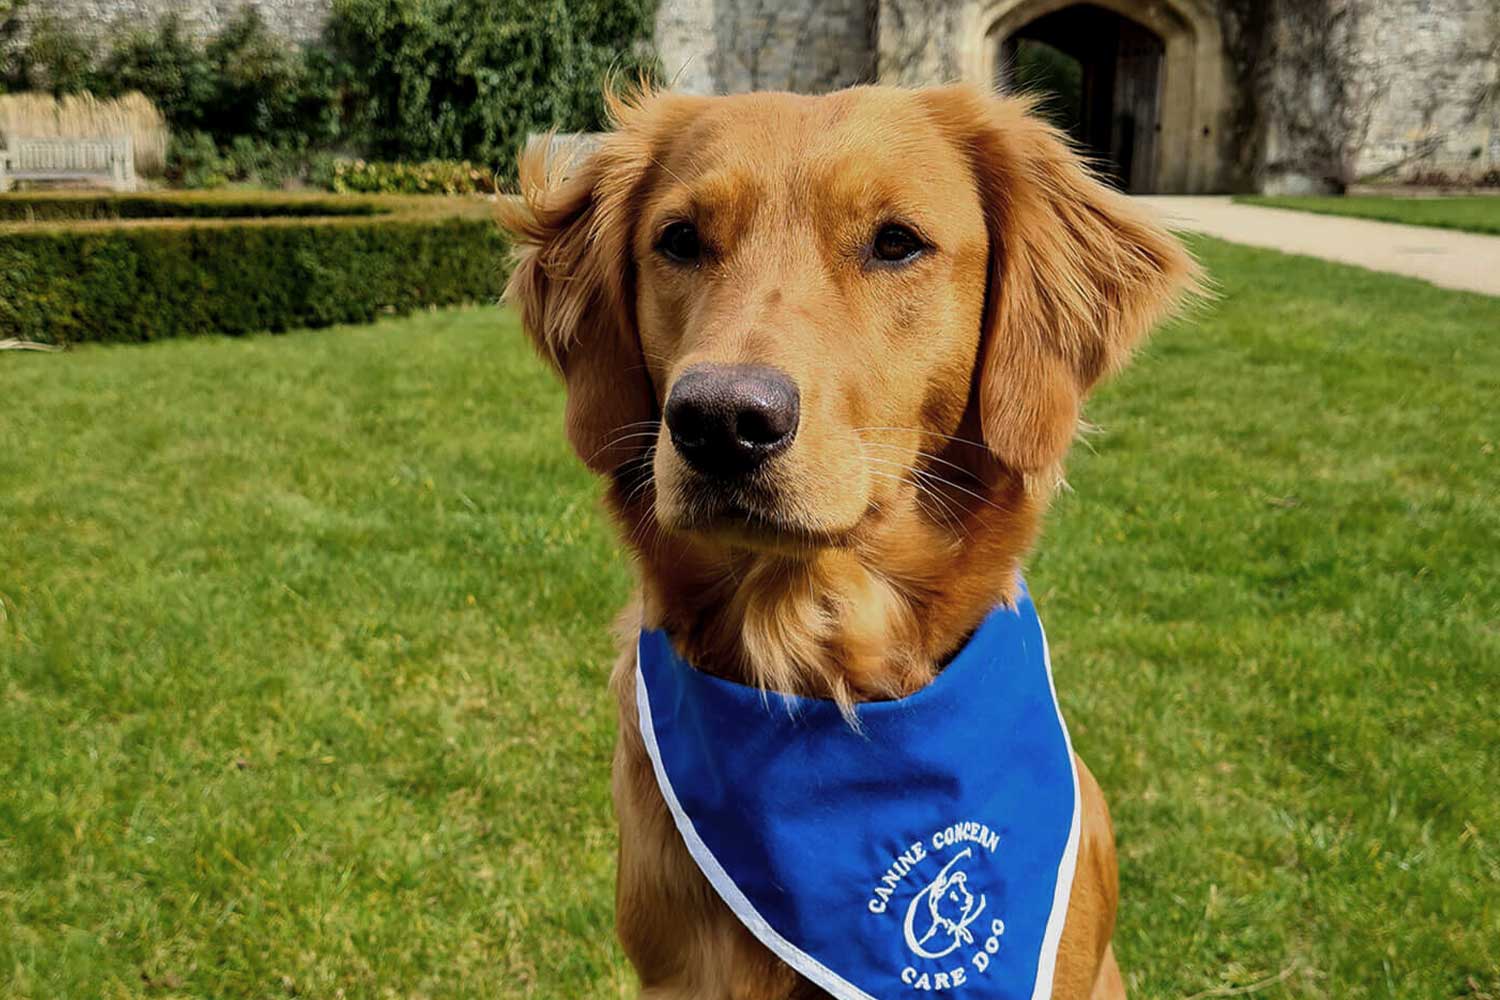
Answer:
(1078, 275)
(573, 285)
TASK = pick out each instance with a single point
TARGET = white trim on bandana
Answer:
(824, 977)
(1066, 868)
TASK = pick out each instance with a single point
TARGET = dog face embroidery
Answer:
(950, 907)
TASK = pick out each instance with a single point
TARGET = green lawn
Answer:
(1475, 213)
(304, 643)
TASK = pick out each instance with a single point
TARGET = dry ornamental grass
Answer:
(83, 116)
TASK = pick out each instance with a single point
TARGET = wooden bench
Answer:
(108, 161)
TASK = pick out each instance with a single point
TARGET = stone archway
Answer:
(1159, 95)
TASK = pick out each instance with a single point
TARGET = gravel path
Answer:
(1445, 257)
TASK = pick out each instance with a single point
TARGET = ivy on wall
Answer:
(450, 79)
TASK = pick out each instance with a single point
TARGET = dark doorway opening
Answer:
(1100, 77)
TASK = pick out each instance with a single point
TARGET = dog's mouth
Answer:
(749, 514)
(756, 530)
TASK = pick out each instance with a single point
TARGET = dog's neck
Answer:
(873, 620)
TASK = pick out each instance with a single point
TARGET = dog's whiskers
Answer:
(623, 433)
(932, 477)
(646, 532)
(944, 481)
(927, 455)
(919, 430)
(947, 512)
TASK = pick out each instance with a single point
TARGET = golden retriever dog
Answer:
(828, 354)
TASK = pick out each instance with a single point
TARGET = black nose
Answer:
(728, 419)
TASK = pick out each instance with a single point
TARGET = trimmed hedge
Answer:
(64, 283)
(79, 208)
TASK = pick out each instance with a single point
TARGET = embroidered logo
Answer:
(948, 945)
(948, 908)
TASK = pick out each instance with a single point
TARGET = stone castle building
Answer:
(299, 20)
(1167, 95)
(1172, 95)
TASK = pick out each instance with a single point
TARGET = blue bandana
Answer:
(931, 850)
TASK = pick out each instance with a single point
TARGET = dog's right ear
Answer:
(573, 284)
(1078, 275)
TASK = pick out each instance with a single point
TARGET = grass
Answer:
(303, 656)
(1473, 213)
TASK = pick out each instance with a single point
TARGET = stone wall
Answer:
(1361, 90)
(299, 20)
(1434, 70)
(808, 46)
(685, 43)
(924, 41)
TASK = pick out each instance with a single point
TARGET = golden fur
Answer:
(938, 401)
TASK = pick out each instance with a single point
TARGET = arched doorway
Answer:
(1150, 101)
(1099, 76)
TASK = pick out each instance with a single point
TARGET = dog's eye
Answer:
(680, 242)
(896, 244)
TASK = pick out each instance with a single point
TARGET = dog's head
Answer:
(951, 903)
(775, 314)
